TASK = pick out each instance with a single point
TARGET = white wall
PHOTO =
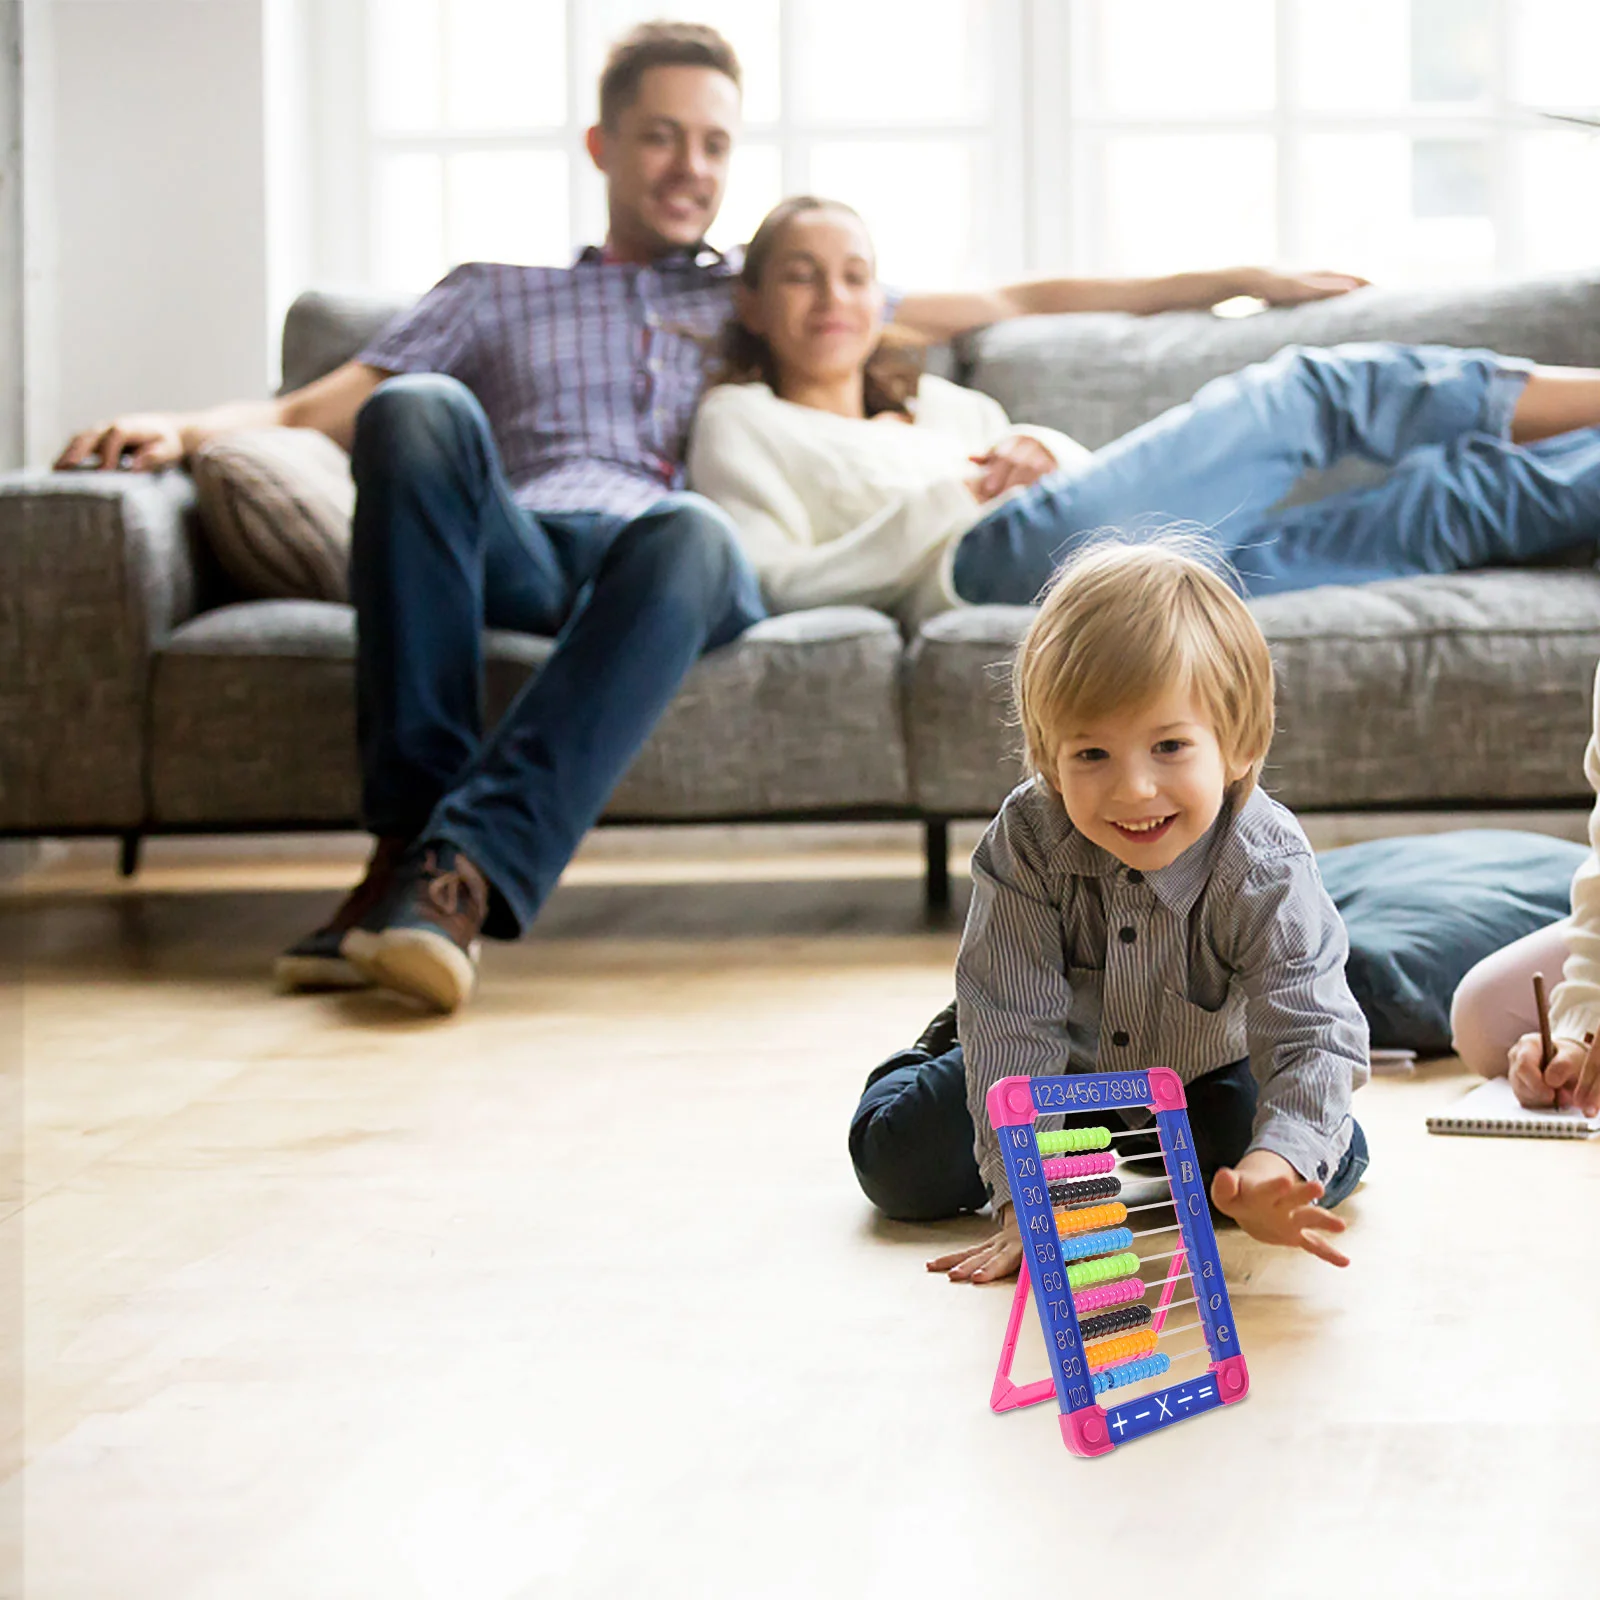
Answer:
(11, 338)
(160, 204)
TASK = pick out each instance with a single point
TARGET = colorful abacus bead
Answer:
(1133, 1372)
(1109, 1352)
(1109, 1322)
(1109, 1294)
(1062, 1141)
(1097, 1244)
(1078, 1166)
(1085, 1190)
(1086, 1218)
(1081, 1274)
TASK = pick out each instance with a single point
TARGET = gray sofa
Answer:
(138, 696)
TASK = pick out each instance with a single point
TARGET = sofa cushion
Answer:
(277, 504)
(252, 720)
(1423, 910)
(1096, 376)
(1471, 689)
(323, 330)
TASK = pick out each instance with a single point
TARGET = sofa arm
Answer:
(96, 569)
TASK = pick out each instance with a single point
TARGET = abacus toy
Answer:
(1084, 1264)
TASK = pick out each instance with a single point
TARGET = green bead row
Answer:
(1066, 1140)
(1080, 1274)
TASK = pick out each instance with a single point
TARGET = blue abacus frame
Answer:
(1087, 1427)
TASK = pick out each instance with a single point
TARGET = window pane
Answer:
(755, 185)
(1451, 49)
(863, 61)
(1173, 202)
(1353, 55)
(408, 232)
(1556, 52)
(750, 26)
(1557, 180)
(921, 242)
(1450, 178)
(1360, 209)
(403, 65)
(505, 63)
(1178, 57)
(508, 205)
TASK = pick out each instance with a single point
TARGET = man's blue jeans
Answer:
(1459, 494)
(439, 551)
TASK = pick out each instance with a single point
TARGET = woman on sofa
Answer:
(852, 480)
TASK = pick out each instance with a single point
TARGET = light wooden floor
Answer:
(575, 1295)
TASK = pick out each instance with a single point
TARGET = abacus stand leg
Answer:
(936, 844)
(128, 854)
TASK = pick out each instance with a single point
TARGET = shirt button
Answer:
(1322, 1171)
(1134, 875)
(1119, 1038)
(1127, 935)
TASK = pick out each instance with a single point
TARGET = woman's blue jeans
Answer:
(439, 551)
(1459, 494)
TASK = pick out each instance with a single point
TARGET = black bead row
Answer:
(1118, 1321)
(1065, 1192)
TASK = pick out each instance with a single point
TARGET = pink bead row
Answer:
(1078, 1166)
(1109, 1294)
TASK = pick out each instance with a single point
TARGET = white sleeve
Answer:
(982, 422)
(1575, 1001)
(734, 462)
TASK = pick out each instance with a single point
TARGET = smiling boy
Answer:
(1139, 902)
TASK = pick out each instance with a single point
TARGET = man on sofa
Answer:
(517, 444)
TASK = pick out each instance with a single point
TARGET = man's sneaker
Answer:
(426, 943)
(318, 960)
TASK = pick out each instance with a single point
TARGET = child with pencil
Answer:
(1497, 1019)
(1139, 902)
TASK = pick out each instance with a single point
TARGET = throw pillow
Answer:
(276, 504)
(1422, 910)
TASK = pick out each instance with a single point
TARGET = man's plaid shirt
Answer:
(589, 374)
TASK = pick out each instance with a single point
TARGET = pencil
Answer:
(1547, 1047)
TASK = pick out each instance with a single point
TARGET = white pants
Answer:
(1494, 1006)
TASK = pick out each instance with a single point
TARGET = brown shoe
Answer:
(426, 946)
(318, 960)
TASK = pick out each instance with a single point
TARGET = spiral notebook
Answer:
(1493, 1108)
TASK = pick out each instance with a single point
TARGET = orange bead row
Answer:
(1108, 1352)
(1085, 1219)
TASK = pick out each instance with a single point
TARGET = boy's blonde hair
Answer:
(1123, 624)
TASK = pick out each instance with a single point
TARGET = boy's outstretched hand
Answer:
(1273, 1203)
(995, 1258)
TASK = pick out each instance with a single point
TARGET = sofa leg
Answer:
(128, 856)
(936, 883)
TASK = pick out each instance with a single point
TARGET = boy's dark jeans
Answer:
(911, 1137)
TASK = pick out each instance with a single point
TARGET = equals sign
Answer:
(1206, 1390)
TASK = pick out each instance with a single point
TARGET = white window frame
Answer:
(346, 152)
(1043, 193)
(1065, 141)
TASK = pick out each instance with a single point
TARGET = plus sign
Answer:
(1119, 1422)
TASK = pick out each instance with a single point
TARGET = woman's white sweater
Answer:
(834, 510)
(1575, 1001)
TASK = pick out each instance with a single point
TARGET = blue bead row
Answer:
(1131, 1372)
